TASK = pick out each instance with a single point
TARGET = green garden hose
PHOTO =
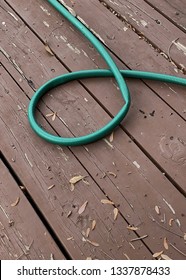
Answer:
(113, 71)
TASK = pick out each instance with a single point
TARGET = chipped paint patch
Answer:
(45, 10)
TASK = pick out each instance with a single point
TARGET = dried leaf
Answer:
(112, 173)
(87, 232)
(69, 214)
(76, 179)
(115, 213)
(165, 243)
(82, 208)
(93, 224)
(184, 236)
(54, 116)
(49, 115)
(127, 257)
(111, 138)
(70, 238)
(72, 187)
(48, 49)
(93, 243)
(16, 202)
(156, 255)
(106, 201)
(50, 187)
(132, 228)
(165, 257)
(170, 222)
(157, 209)
(86, 182)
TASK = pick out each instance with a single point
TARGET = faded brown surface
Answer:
(142, 171)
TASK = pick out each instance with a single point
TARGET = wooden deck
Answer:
(140, 169)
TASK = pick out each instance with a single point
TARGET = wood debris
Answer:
(106, 201)
(157, 209)
(111, 138)
(51, 187)
(127, 257)
(69, 214)
(53, 115)
(95, 244)
(75, 180)
(48, 49)
(82, 208)
(165, 243)
(70, 238)
(170, 222)
(89, 258)
(93, 224)
(184, 236)
(116, 211)
(16, 202)
(132, 228)
(87, 232)
(165, 257)
(112, 174)
(158, 254)
(139, 238)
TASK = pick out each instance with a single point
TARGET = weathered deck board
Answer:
(152, 187)
(22, 234)
(167, 156)
(154, 28)
(55, 204)
(175, 11)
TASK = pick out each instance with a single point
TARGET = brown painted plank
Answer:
(175, 11)
(45, 165)
(154, 27)
(132, 167)
(22, 234)
(168, 138)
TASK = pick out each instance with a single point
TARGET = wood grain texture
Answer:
(128, 173)
(22, 234)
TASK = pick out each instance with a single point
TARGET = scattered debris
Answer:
(165, 257)
(87, 232)
(157, 209)
(16, 202)
(111, 138)
(170, 207)
(136, 164)
(51, 187)
(95, 244)
(132, 228)
(127, 257)
(82, 208)
(48, 49)
(139, 238)
(89, 258)
(115, 213)
(51, 256)
(178, 223)
(170, 222)
(106, 201)
(165, 243)
(158, 254)
(69, 214)
(70, 238)
(75, 180)
(112, 174)
(93, 224)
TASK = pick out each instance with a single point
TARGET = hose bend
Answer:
(112, 71)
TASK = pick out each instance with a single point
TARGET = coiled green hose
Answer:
(114, 71)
